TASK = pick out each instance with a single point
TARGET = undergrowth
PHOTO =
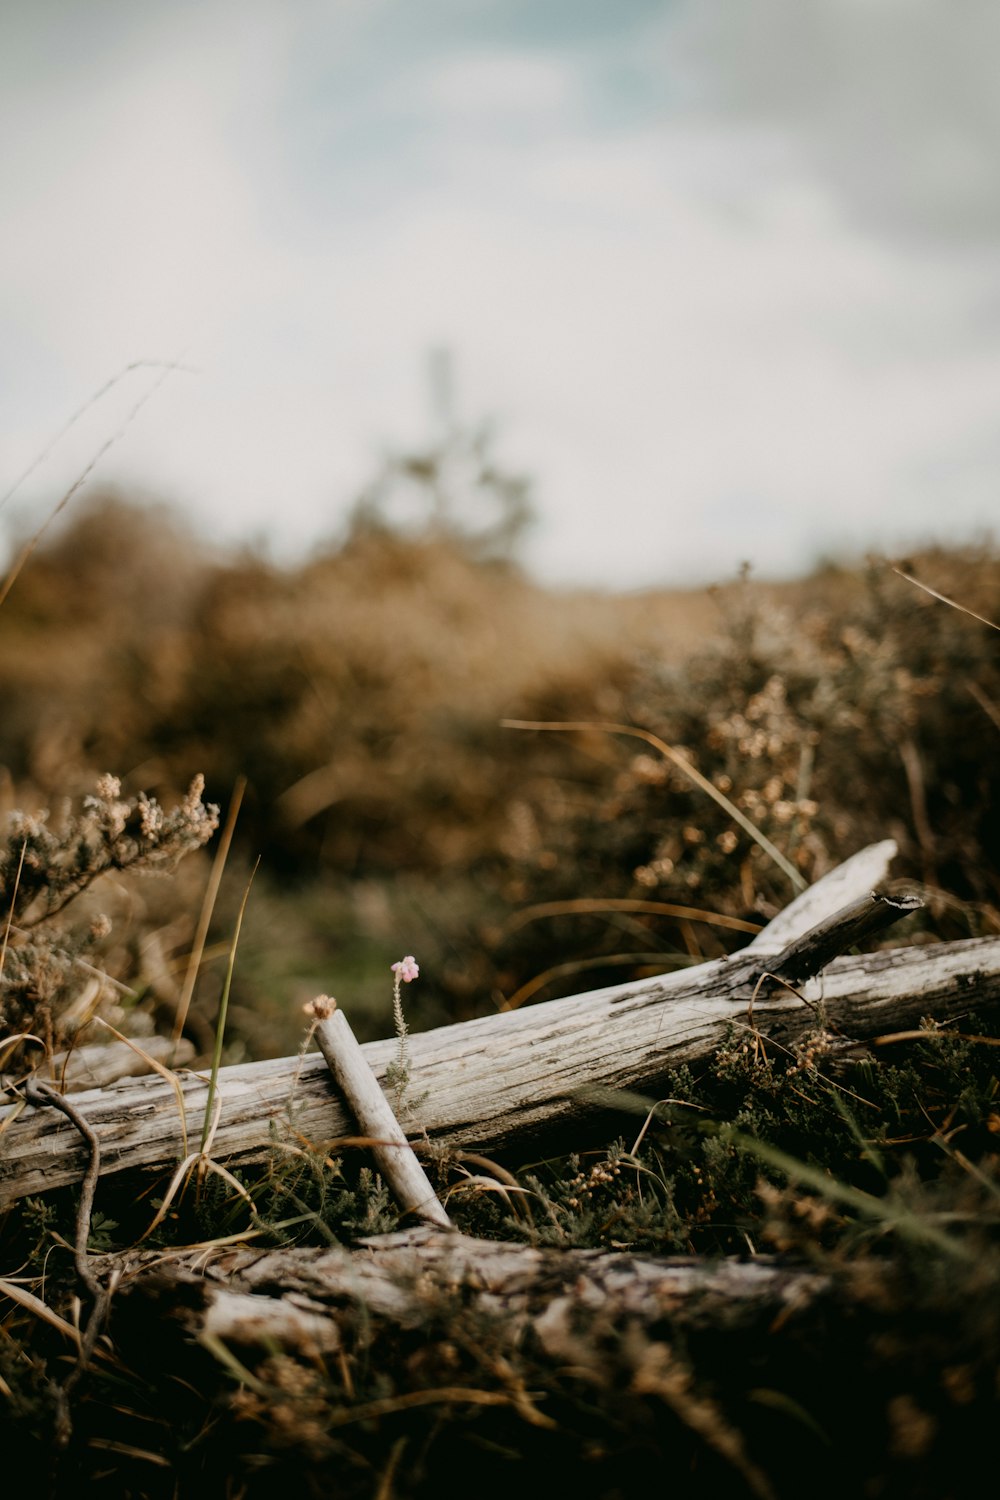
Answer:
(523, 862)
(878, 1168)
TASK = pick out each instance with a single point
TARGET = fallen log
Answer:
(96, 1066)
(498, 1365)
(499, 1326)
(291, 1298)
(507, 1082)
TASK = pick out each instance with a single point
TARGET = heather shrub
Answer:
(850, 709)
(62, 960)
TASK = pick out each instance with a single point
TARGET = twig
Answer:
(390, 1148)
(40, 1094)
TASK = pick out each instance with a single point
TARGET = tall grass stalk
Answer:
(685, 766)
(208, 907)
(220, 1025)
(80, 481)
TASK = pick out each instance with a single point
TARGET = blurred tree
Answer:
(452, 486)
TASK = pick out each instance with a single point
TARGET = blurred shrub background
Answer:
(361, 696)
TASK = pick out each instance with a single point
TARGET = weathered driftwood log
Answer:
(96, 1066)
(291, 1299)
(729, 1378)
(508, 1081)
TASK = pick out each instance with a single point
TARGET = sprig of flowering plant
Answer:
(405, 971)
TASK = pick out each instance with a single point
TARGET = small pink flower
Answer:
(407, 969)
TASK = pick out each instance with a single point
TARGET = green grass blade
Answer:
(220, 1025)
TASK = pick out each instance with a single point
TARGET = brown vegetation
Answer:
(362, 696)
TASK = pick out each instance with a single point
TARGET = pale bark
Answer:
(845, 883)
(94, 1067)
(97, 1065)
(292, 1298)
(394, 1156)
(506, 1082)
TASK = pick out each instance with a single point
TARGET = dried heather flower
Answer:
(320, 1009)
(45, 867)
(150, 816)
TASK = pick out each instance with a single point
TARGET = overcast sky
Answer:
(726, 273)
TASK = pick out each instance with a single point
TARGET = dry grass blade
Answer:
(477, 1183)
(986, 703)
(587, 905)
(35, 1305)
(208, 907)
(91, 401)
(204, 1163)
(157, 1067)
(450, 1395)
(579, 965)
(932, 1036)
(229, 1361)
(591, 726)
(945, 600)
(208, 1129)
(10, 1042)
(78, 483)
(110, 1445)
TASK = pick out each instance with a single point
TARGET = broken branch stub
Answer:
(844, 929)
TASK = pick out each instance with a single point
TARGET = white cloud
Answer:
(490, 87)
(894, 102)
(686, 337)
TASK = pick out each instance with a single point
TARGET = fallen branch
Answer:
(509, 1081)
(393, 1153)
